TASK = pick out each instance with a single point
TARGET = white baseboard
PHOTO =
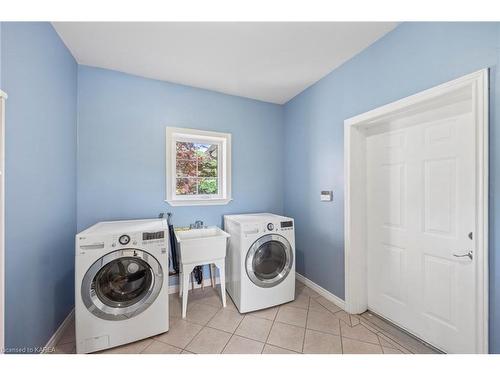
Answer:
(59, 332)
(206, 283)
(321, 291)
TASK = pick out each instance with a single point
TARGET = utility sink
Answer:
(200, 246)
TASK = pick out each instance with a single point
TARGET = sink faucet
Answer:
(198, 224)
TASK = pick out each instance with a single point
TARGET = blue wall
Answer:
(413, 57)
(40, 76)
(121, 147)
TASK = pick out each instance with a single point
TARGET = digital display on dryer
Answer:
(153, 236)
(287, 224)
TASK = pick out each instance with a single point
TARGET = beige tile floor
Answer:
(311, 324)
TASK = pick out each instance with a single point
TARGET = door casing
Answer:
(3, 97)
(356, 129)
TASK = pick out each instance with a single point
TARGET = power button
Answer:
(270, 226)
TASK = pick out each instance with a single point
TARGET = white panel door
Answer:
(421, 213)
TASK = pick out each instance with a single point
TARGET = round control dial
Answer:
(124, 239)
(270, 226)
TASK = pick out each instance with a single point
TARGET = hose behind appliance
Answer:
(173, 244)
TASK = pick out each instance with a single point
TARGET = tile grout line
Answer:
(351, 338)
(339, 309)
(279, 347)
(235, 334)
(147, 346)
(305, 327)
(326, 333)
(274, 320)
(367, 324)
(397, 342)
(381, 347)
(269, 333)
(165, 343)
(203, 326)
(197, 333)
(327, 309)
(385, 333)
(380, 341)
(341, 338)
(377, 331)
(405, 333)
(222, 351)
(390, 336)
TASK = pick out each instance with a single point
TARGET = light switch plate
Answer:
(326, 195)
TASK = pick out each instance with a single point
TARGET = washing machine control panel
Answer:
(124, 239)
(157, 238)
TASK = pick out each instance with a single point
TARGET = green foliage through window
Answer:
(196, 168)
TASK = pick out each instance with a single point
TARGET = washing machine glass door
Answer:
(269, 260)
(122, 284)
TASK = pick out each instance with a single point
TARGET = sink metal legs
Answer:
(221, 265)
(185, 275)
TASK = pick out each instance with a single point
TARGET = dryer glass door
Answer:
(122, 284)
(269, 260)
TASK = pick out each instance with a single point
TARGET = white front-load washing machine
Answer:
(260, 260)
(121, 283)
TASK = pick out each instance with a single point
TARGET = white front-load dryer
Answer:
(260, 260)
(121, 283)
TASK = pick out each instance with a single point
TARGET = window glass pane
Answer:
(186, 186)
(207, 186)
(185, 151)
(186, 168)
(207, 162)
(196, 168)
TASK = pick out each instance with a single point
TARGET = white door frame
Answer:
(3, 97)
(356, 296)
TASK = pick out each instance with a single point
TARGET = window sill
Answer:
(201, 202)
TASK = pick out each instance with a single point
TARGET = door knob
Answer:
(469, 255)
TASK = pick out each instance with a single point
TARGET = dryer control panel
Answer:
(278, 226)
(266, 227)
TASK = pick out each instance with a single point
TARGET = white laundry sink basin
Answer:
(199, 246)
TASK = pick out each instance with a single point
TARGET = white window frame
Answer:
(223, 140)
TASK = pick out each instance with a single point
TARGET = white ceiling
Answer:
(271, 62)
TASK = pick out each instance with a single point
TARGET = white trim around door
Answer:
(3, 97)
(472, 88)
